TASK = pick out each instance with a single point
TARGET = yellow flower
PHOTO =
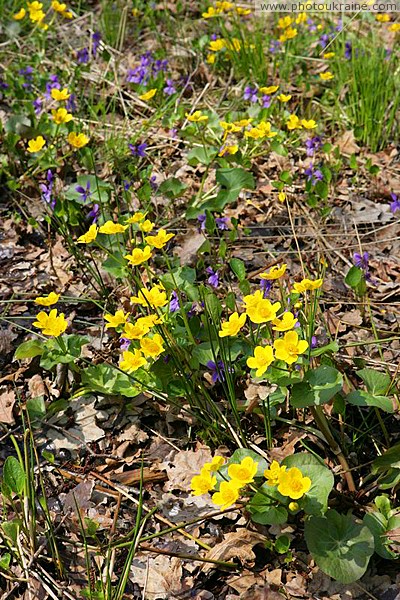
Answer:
(109, 228)
(210, 58)
(116, 320)
(67, 14)
(60, 95)
(148, 95)
(36, 144)
(227, 495)
(293, 506)
(233, 325)
(259, 309)
(216, 463)
(152, 346)
(301, 18)
(328, 55)
(150, 321)
(274, 273)
(52, 298)
(136, 218)
(311, 124)
(269, 90)
(146, 226)
(289, 34)
(51, 324)
(138, 256)
(383, 18)
(326, 76)
(228, 150)
(36, 16)
(281, 196)
(293, 122)
(274, 473)
(288, 321)
(211, 12)
(159, 240)
(395, 27)
(58, 7)
(135, 331)
(243, 473)
(217, 45)
(289, 348)
(203, 483)
(89, 236)
(34, 6)
(132, 361)
(241, 123)
(285, 22)
(261, 360)
(293, 484)
(156, 297)
(307, 285)
(284, 98)
(20, 14)
(61, 115)
(196, 117)
(242, 11)
(77, 140)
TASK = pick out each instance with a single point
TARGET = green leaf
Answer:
(264, 511)
(202, 155)
(213, 307)
(36, 410)
(172, 188)
(377, 383)
(361, 398)
(238, 268)
(204, 353)
(318, 387)
(105, 379)
(239, 455)
(282, 544)
(5, 561)
(14, 475)
(114, 265)
(29, 349)
(354, 277)
(315, 501)
(232, 181)
(389, 460)
(340, 547)
(11, 529)
(331, 347)
(377, 523)
(53, 354)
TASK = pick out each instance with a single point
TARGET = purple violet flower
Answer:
(96, 37)
(217, 370)
(395, 205)
(169, 88)
(222, 223)
(174, 302)
(313, 175)
(275, 46)
(202, 222)
(124, 343)
(139, 150)
(84, 192)
(266, 101)
(314, 342)
(361, 260)
(250, 94)
(94, 213)
(70, 104)
(37, 105)
(153, 183)
(213, 280)
(82, 56)
(313, 145)
(265, 287)
(348, 50)
(47, 190)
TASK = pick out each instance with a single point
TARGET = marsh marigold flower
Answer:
(293, 484)
(263, 357)
(196, 117)
(51, 324)
(19, 15)
(281, 196)
(146, 226)
(244, 472)
(136, 218)
(136, 331)
(89, 236)
(285, 323)
(271, 89)
(58, 6)
(216, 463)
(148, 95)
(132, 361)
(36, 144)
(159, 240)
(227, 495)
(307, 285)
(310, 124)
(273, 474)
(77, 140)
(293, 123)
(110, 228)
(233, 325)
(138, 256)
(61, 115)
(289, 348)
(52, 298)
(326, 76)
(116, 320)
(152, 346)
(156, 297)
(284, 98)
(203, 483)
(60, 95)
(275, 272)
(260, 309)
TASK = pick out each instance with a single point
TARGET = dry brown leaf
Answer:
(352, 317)
(7, 401)
(191, 243)
(183, 466)
(237, 544)
(347, 143)
(36, 386)
(158, 577)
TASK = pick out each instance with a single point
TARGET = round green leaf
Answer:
(13, 475)
(340, 546)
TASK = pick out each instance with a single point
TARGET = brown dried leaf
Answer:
(183, 466)
(347, 143)
(352, 317)
(158, 577)
(7, 401)
(237, 544)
